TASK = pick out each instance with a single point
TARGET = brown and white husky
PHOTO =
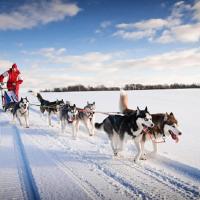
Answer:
(164, 125)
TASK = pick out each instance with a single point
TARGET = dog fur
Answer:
(118, 127)
(164, 125)
(87, 116)
(73, 115)
(21, 110)
(51, 107)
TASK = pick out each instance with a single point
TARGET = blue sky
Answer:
(59, 42)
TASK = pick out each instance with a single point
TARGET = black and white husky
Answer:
(164, 125)
(51, 107)
(68, 115)
(21, 110)
(87, 116)
(65, 116)
(118, 127)
(72, 115)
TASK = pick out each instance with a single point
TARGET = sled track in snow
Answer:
(119, 180)
(28, 184)
(129, 181)
(184, 189)
(131, 191)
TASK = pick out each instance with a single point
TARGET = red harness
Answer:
(152, 139)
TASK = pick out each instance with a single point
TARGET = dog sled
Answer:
(8, 98)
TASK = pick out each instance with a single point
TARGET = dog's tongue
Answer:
(145, 129)
(174, 137)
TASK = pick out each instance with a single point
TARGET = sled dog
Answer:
(72, 114)
(118, 127)
(87, 116)
(21, 110)
(51, 107)
(68, 115)
(164, 125)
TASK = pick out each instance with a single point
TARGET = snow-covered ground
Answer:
(40, 162)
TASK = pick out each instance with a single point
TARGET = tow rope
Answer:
(84, 110)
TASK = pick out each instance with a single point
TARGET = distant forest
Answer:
(76, 88)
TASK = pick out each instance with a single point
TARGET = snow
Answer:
(60, 167)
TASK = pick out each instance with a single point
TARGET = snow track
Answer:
(41, 163)
(93, 180)
(133, 180)
(17, 180)
(24, 169)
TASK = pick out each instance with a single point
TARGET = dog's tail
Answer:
(39, 96)
(123, 101)
(98, 125)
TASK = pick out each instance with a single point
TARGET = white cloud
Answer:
(95, 68)
(103, 25)
(196, 9)
(73, 60)
(187, 33)
(5, 65)
(144, 25)
(171, 60)
(31, 15)
(134, 35)
(171, 29)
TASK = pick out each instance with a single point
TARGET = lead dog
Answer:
(164, 125)
(21, 110)
(51, 107)
(117, 127)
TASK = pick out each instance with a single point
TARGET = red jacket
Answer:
(14, 79)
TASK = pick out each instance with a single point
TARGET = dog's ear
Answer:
(74, 105)
(138, 111)
(88, 103)
(94, 103)
(21, 99)
(171, 114)
(146, 109)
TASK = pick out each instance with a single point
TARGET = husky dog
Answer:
(86, 115)
(117, 127)
(49, 107)
(10, 106)
(64, 115)
(164, 125)
(68, 115)
(21, 109)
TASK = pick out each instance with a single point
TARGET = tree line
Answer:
(79, 87)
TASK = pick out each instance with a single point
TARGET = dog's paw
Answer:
(115, 154)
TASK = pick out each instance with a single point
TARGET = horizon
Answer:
(59, 43)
